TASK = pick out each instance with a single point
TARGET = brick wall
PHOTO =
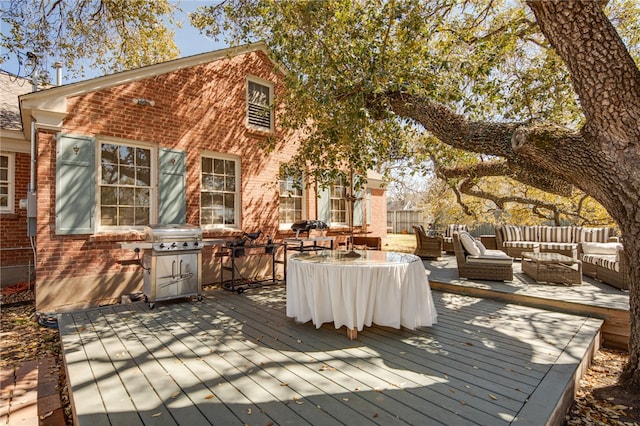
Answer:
(198, 109)
(14, 244)
(201, 109)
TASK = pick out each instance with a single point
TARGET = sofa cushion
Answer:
(556, 234)
(609, 262)
(511, 233)
(469, 244)
(591, 258)
(530, 233)
(595, 235)
(522, 244)
(601, 248)
(455, 228)
(492, 257)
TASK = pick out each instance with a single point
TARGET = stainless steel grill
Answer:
(172, 262)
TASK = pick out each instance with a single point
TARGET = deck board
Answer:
(237, 359)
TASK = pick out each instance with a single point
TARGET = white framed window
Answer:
(125, 195)
(291, 201)
(7, 182)
(259, 104)
(220, 191)
(339, 205)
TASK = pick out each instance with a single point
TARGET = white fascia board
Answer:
(14, 141)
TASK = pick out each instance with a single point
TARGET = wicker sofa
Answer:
(514, 240)
(605, 262)
(476, 263)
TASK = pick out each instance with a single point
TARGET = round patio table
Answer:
(359, 288)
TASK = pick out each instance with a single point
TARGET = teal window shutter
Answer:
(324, 204)
(368, 206)
(172, 203)
(75, 184)
(357, 208)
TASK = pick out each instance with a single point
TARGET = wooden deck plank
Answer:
(87, 403)
(442, 399)
(176, 400)
(252, 360)
(303, 369)
(235, 365)
(332, 370)
(181, 363)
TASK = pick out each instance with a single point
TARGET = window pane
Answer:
(126, 216)
(218, 166)
(230, 167)
(143, 177)
(109, 154)
(109, 195)
(207, 165)
(218, 183)
(127, 175)
(143, 157)
(127, 155)
(142, 216)
(143, 197)
(4, 161)
(109, 174)
(230, 184)
(4, 174)
(108, 216)
(126, 197)
(216, 200)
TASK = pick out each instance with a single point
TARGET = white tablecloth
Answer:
(385, 288)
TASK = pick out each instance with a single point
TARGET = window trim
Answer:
(303, 198)
(153, 189)
(270, 86)
(11, 183)
(238, 192)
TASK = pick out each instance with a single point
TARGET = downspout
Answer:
(31, 190)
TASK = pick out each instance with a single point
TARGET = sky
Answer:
(188, 39)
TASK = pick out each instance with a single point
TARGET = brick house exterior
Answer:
(143, 146)
(16, 251)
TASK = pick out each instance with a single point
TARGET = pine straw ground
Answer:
(600, 401)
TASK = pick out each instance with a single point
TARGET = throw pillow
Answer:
(469, 244)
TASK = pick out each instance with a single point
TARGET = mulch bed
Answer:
(599, 401)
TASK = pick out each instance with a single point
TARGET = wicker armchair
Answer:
(426, 246)
(492, 267)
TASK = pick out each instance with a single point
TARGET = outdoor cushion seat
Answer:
(489, 259)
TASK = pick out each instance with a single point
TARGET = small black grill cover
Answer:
(307, 225)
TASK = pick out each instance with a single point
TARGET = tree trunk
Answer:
(607, 82)
(602, 158)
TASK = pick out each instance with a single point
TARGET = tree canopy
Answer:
(486, 59)
(110, 35)
(547, 91)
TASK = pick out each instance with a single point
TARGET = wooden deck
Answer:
(237, 359)
(592, 298)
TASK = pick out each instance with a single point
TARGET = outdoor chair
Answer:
(476, 262)
(428, 247)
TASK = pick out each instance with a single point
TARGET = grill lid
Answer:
(172, 232)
